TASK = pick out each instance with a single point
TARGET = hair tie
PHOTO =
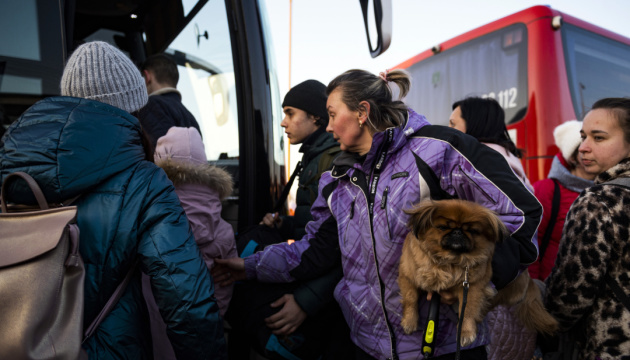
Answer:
(384, 74)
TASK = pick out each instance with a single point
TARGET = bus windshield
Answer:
(493, 65)
(203, 53)
(597, 67)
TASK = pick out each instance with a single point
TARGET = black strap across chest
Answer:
(555, 208)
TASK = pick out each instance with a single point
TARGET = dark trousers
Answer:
(324, 336)
(478, 353)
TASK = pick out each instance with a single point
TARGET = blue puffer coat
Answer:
(128, 209)
(404, 166)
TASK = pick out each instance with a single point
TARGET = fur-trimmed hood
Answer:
(182, 156)
(205, 174)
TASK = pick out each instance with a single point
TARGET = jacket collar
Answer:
(166, 90)
(622, 169)
(401, 134)
(315, 143)
(563, 175)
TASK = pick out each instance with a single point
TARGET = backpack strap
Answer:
(113, 300)
(37, 192)
(326, 160)
(287, 188)
(555, 208)
(325, 163)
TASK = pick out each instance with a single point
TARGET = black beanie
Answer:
(309, 96)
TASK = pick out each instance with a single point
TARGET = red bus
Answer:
(543, 66)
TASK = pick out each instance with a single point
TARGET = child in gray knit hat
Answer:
(101, 72)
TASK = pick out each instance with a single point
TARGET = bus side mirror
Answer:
(383, 23)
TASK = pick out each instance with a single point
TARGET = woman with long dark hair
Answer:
(484, 119)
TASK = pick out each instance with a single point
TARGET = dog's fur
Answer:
(445, 237)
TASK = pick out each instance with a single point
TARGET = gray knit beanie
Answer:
(101, 72)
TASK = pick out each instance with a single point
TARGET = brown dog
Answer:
(446, 237)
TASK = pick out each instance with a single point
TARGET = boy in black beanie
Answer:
(303, 313)
(305, 123)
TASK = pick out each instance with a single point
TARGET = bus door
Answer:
(227, 72)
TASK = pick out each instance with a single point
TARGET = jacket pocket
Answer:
(345, 233)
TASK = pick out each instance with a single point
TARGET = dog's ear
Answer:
(421, 218)
(497, 229)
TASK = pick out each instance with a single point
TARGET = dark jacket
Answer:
(163, 111)
(128, 210)
(420, 158)
(318, 145)
(312, 295)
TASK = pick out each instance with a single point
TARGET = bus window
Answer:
(597, 67)
(494, 65)
(203, 53)
(31, 50)
(276, 99)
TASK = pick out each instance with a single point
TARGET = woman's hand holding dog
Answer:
(446, 297)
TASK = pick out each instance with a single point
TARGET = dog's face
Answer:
(456, 230)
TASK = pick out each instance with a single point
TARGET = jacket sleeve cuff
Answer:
(505, 263)
(250, 267)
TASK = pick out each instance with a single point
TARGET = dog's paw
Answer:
(409, 323)
(468, 339)
(469, 333)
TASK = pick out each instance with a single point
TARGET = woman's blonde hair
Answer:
(359, 85)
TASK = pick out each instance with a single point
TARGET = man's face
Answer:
(297, 124)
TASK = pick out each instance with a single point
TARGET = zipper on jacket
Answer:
(374, 177)
(384, 198)
(384, 207)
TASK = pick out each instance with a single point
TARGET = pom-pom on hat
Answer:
(568, 138)
(99, 71)
(309, 96)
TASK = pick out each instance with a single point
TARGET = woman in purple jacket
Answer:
(393, 158)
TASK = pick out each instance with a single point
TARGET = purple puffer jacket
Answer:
(421, 162)
(200, 188)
